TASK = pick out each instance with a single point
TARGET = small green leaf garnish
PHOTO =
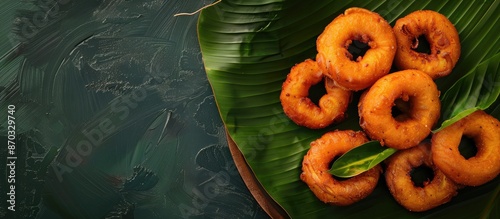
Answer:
(360, 159)
(477, 90)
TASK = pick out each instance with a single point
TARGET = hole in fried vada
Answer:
(317, 91)
(401, 109)
(357, 50)
(467, 147)
(421, 175)
(420, 44)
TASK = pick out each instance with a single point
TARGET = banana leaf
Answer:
(248, 48)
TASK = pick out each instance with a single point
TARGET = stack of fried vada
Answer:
(398, 109)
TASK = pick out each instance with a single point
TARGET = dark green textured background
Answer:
(114, 114)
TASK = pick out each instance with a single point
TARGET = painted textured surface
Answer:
(114, 115)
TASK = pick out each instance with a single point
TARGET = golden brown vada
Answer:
(316, 165)
(443, 41)
(337, 62)
(484, 129)
(300, 108)
(418, 91)
(433, 193)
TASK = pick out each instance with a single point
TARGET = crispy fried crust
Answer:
(479, 169)
(316, 163)
(334, 58)
(375, 109)
(441, 35)
(299, 107)
(435, 192)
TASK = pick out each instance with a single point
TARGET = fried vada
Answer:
(316, 165)
(411, 88)
(364, 26)
(441, 35)
(301, 109)
(433, 192)
(484, 166)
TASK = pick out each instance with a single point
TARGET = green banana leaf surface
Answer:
(248, 48)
